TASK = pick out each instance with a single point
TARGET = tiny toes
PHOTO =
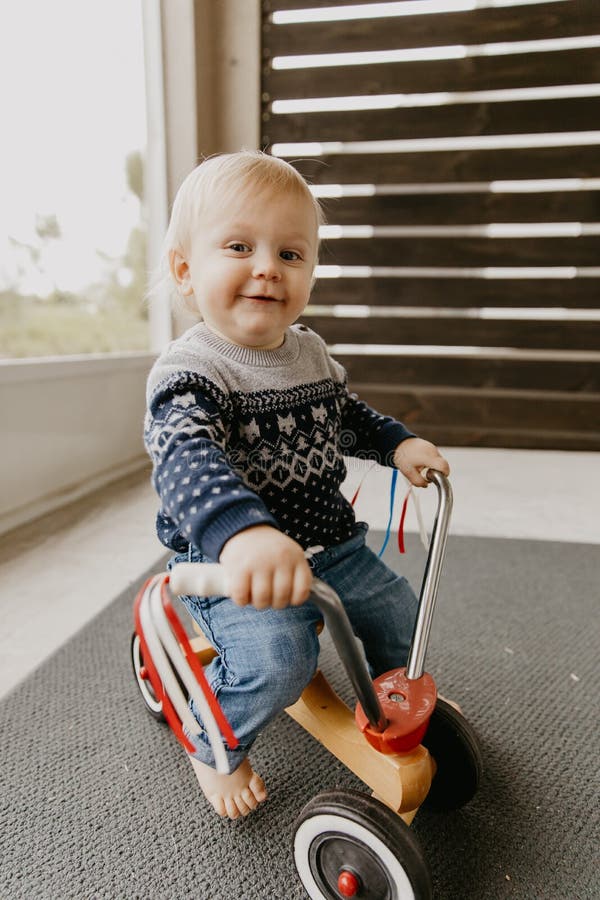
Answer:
(249, 798)
(257, 786)
(218, 805)
(242, 806)
(233, 795)
(232, 810)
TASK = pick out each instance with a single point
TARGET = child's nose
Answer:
(266, 267)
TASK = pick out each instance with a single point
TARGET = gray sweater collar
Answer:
(281, 356)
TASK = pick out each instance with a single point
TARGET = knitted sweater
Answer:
(241, 437)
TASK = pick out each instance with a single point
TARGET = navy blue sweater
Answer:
(242, 437)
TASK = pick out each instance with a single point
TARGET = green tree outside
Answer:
(109, 316)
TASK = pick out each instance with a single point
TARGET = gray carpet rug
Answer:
(98, 801)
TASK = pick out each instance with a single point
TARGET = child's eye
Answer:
(290, 255)
(238, 247)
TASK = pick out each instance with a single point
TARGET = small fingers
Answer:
(419, 478)
(443, 467)
(418, 475)
(262, 590)
(302, 584)
(439, 464)
(283, 588)
(240, 588)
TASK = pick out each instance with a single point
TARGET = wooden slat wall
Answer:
(467, 296)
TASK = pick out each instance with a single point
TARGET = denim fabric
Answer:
(267, 657)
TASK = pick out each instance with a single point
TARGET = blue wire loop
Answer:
(389, 524)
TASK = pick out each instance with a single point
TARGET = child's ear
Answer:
(181, 272)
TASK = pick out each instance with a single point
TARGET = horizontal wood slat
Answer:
(496, 408)
(467, 208)
(543, 21)
(465, 332)
(577, 375)
(451, 165)
(527, 117)
(475, 73)
(509, 439)
(571, 293)
(462, 251)
(484, 418)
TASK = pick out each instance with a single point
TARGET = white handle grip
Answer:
(199, 580)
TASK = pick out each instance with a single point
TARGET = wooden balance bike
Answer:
(408, 746)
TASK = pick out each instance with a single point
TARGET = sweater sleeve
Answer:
(365, 432)
(185, 434)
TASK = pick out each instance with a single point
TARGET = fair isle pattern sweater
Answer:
(241, 437)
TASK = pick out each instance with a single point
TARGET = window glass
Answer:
(72, 219)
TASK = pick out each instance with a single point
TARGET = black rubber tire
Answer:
(345, 829)
(153, 705)
(454, 746)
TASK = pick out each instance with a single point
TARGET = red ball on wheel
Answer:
(348, 884)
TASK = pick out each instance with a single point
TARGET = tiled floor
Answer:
(58, 572)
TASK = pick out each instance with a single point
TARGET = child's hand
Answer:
(415, 454)
(266, 568)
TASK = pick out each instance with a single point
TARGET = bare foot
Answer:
(231, 795)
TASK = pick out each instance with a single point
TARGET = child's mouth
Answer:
(262, 298)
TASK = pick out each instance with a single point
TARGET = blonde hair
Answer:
(216, 179)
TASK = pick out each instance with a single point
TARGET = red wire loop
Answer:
(401, 546)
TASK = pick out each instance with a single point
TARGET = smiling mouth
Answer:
(262, 297)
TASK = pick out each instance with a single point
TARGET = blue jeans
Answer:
(267, 657)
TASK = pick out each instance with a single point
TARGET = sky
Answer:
(73, 107)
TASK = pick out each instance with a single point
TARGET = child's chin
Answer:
(263, 339)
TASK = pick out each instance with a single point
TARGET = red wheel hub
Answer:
(144, 674)
(348, 884)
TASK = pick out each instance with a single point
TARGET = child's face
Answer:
(250, 266)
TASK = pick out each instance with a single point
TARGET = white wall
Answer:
(228, 65)
(68, 425)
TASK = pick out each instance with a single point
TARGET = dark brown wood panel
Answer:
(466, 332)
(515, 438)
(452, 165)
(462, 251)
(539, 397)
(494, 407)
(546, 20)
(463, 208)
(454, 417)
(475, 73)
(571, 293)
(580, 375)
(530, 117)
